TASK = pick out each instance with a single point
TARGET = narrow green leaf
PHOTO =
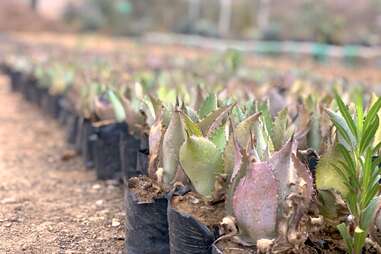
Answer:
(368, 213)
(373, 111)
(346, 137)
(360, 114)
(347, 116)
(344, 232)
(369, 133)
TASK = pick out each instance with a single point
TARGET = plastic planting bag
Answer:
(72, 127)
(146, 225)
(186, 234)
(129, 149)
(88, 142)
(107, 153)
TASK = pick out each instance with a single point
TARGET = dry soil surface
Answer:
(48, 205)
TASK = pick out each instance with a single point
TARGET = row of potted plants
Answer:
(208, 173)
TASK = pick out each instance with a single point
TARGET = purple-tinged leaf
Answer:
(284, 171)
(173, 139)
(255, 203)
(155, 140)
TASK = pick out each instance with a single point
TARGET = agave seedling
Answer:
(191, 143)
(279, 222)
(356, 173)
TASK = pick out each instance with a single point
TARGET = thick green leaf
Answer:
(191, 127)
(280, 130)
(202, 162)
(220, 136)
(266, 116)
(242, 133)
(210, 123)
(327, 176)
(208, 105)
(263, 142)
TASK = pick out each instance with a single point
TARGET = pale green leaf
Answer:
(208, 105)
(242, 133)
(202, 162)
(327, 176)
(191, 127)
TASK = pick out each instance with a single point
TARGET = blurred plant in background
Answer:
(325, 21)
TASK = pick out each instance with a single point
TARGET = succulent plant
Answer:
(194, 148)
(281, 217)
(201, 153)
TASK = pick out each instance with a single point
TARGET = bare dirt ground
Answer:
(48, 205)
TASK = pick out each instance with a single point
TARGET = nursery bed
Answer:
(49, 202)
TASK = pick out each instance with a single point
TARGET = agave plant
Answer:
(191, 144)
(278, 222)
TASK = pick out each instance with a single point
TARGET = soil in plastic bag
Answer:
(146, 221)
(107, 156)
(193, 224)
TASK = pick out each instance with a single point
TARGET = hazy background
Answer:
(328, 21)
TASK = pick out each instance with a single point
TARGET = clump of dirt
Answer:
(18, 16)
(145, 189)
(195, 205)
